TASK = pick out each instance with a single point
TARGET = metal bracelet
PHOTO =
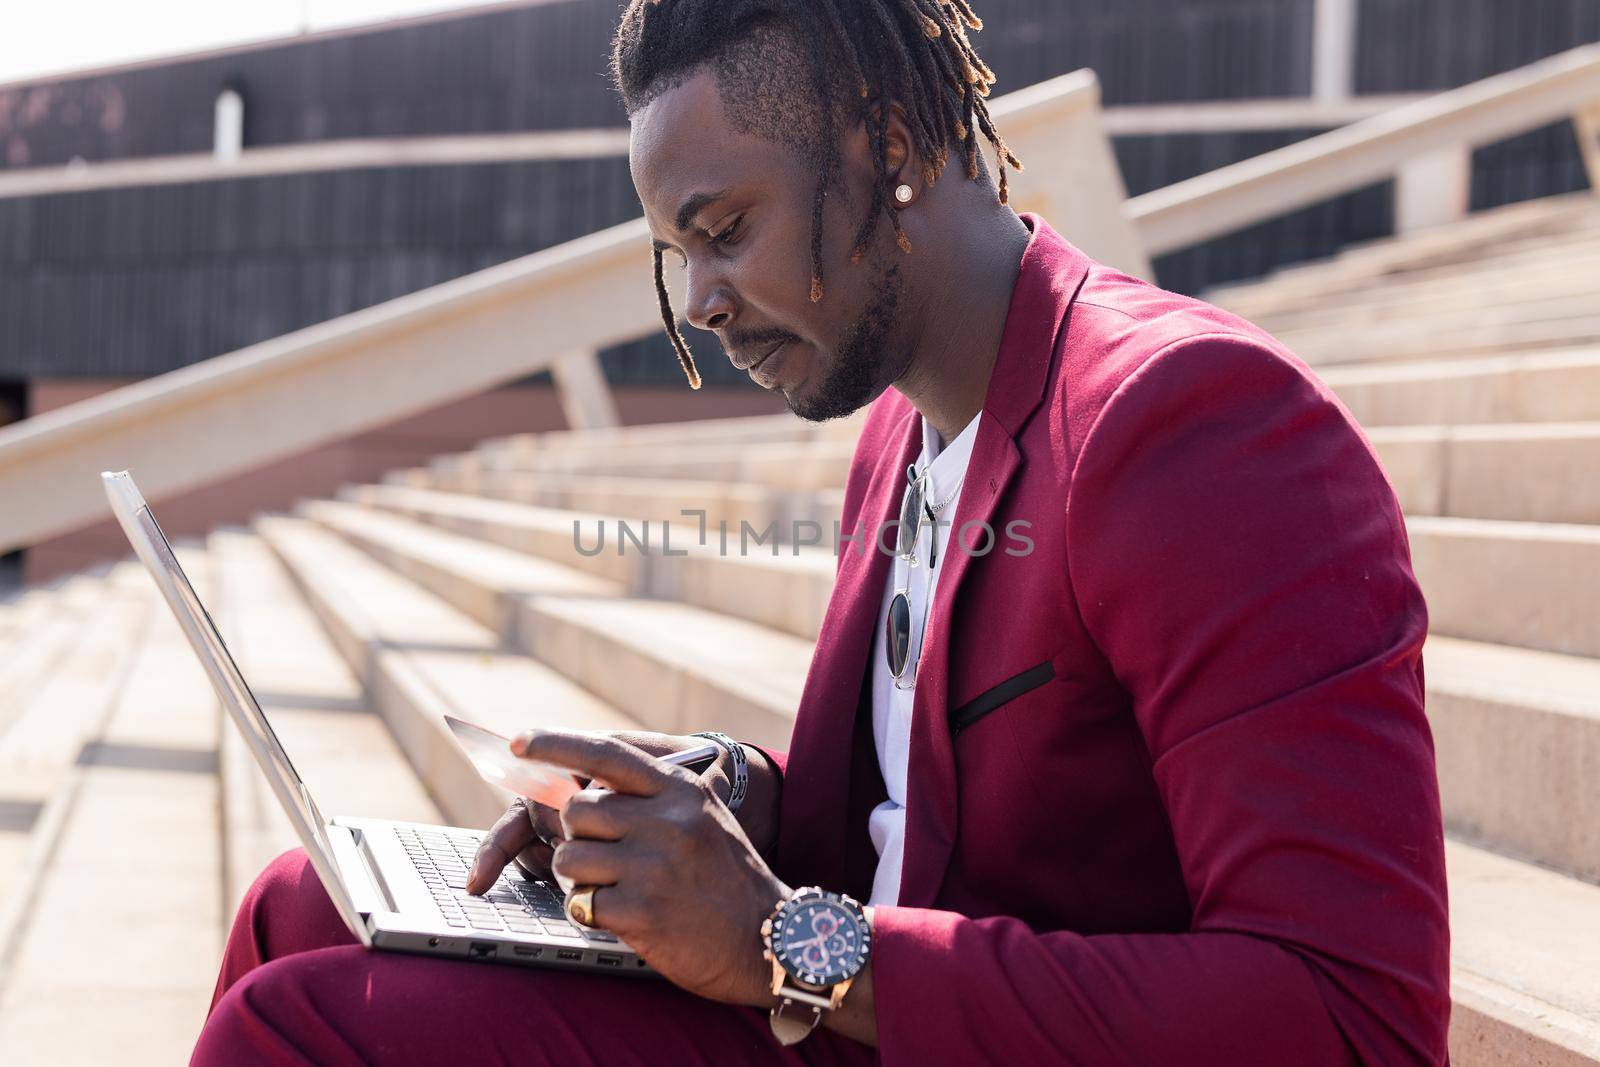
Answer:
(741, 766)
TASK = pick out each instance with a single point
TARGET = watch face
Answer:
(820, 942)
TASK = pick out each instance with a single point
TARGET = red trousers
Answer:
(296, 988)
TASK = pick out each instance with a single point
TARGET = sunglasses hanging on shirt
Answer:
(914, 507)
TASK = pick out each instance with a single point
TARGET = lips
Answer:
(765, 372)
(743, 362)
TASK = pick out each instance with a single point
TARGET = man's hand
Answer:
(681, 883)
(528, 834)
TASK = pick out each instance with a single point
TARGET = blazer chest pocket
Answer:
(996, 695)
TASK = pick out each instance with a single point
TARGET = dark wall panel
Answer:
(13, 400)
(532, 68)
(139, 281)
(544, 67)
(651, 361)
(1426, 45)
(134, 282)
(1153, 50)
(1153, 162)
(512, 206)
(1542, 162)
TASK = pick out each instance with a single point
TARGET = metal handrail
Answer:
(1274, 183)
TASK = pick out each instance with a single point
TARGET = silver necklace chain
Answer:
(936, 508)
(911, 473)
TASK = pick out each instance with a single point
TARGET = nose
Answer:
(711, 301)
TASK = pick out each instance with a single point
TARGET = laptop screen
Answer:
(153, 550)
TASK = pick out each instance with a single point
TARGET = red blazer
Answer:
(1172, 794)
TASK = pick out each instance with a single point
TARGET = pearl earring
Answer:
(904, 194)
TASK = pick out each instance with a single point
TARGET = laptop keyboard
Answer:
(511, 905)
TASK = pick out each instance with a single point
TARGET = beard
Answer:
(859, 370)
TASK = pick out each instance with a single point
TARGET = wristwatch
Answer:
(817, 942)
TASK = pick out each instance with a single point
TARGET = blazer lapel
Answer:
(812, 827)
(1049, 277)
(931, 779)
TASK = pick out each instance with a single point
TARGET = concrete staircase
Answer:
(1472, 354)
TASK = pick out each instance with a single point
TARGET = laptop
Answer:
(397, 885)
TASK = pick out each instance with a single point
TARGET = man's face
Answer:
(734, 209)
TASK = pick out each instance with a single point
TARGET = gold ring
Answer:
(580, 905)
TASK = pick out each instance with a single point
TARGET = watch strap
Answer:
(796, 1014)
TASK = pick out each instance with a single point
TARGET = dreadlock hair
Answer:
(857, 55)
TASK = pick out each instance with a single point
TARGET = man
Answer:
(1145, 781)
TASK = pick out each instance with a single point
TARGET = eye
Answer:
(729, 234)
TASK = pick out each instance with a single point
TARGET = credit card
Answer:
(492, 756)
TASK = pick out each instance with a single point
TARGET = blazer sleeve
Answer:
(779, 758)
(1238, 556)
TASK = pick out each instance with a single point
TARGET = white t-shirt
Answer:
(891, 705)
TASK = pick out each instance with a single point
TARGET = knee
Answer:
(286, 910)
(267, 1016)
(278, 892)
(281, 883)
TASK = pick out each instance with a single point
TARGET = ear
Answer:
(902, 163)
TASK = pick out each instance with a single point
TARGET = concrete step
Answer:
(1558, 261)
(419, 659)
(18, 613)
(786, 589)
(744, 430)
(673, 666)
(718, 504)
(19, 815)
(794, 466)
(1525, 962)
(340, 746)
(46, 636)
(50, 724)
(484, 580)
(1550, 290)
(1490, 232)
(1517, 740)
(110, 947)
(1547, 386)
(1527, 584)
(1537, 472)
(621, 497)
(1500, 234)
(1423, 341)
(677, 667)
(548, 533)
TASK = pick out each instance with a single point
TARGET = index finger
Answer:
(605, 759)
(513, 832)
